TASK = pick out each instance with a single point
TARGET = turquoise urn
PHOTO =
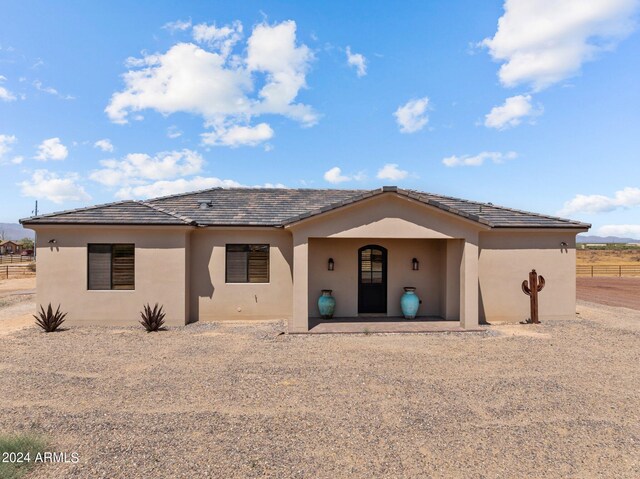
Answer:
(326, 304)
(409, 302)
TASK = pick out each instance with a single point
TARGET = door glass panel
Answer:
(371, 263)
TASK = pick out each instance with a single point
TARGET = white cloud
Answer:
(412, 116)
(164, 188)
(390, 171)
(358, 61)
(17, 160)
(222, 39)
(511, 112)
(625, 231)
(212, 82)
(5, 144)
(5, 95)
(335, 176)
(104, 144)
(625, 198)
(479, 159)
(178, 25)
(139, 168)
(542, 42)
(237, 135)
(48, 185)
(51, 91)
(51, 149)
(174, 132)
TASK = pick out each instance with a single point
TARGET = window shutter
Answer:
(259, 265)
(123, 266)
(99, 266)
(236, 264)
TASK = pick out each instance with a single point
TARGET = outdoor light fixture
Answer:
(415, 264)
(563, 244)
(52, 241)
(330, 264)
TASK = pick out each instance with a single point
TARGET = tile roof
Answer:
(279, 207)
(120, 213)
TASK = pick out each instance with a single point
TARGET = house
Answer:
(247, 253)
(10, 247)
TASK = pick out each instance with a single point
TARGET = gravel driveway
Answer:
(238, 400)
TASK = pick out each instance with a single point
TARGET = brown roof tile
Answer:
(279, 207)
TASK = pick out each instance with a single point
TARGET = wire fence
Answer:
(619, 270)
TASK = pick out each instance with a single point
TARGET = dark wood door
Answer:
(372, 279)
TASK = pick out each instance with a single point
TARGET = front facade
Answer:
(226, 254)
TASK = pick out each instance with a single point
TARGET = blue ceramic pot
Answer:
(409, 302)
(326, 304)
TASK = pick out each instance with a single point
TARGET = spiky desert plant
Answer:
(152, 319)
(48, 320)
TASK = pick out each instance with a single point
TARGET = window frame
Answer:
(248, 262)
(112, 246)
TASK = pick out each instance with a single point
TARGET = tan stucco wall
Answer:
(429, 279)
(506, 258)
(211, 299)
(160, 273)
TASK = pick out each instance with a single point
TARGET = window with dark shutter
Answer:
(111, 266)
(99, 266)
(247, 263)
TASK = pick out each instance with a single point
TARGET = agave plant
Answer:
(152, 319)
(48, 320)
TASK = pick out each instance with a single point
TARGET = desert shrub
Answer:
(152, 319)
(48, 320)
(13, 445)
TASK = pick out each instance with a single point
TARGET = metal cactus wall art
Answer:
(531, 289)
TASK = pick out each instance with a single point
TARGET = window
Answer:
(111, 266)
(371, 266)
(247, 263)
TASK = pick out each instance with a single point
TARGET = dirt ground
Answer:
(17, 304)
(596, 256)
(623, 292)
(17, 285)
(227, 400)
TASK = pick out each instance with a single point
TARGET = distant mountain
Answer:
(604, 239)
(15, 231)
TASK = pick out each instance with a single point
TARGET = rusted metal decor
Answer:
(534, 286)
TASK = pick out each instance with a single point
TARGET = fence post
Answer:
(592, 271)
(619, 271)
(7, 267)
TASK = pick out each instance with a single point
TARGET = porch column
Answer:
(300, 318)
(469, 286)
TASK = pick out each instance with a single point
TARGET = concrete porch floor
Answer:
(385, 324)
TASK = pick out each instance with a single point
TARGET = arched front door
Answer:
(372, 279)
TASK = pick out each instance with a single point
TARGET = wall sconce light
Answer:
(330, 264)
(564, 244)
(52, 241)
(415, 264)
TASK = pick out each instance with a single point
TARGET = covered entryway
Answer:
(369, 251)
(372, 280)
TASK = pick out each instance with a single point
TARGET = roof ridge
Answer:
(186, 219)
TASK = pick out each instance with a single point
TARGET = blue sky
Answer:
(532, 104)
